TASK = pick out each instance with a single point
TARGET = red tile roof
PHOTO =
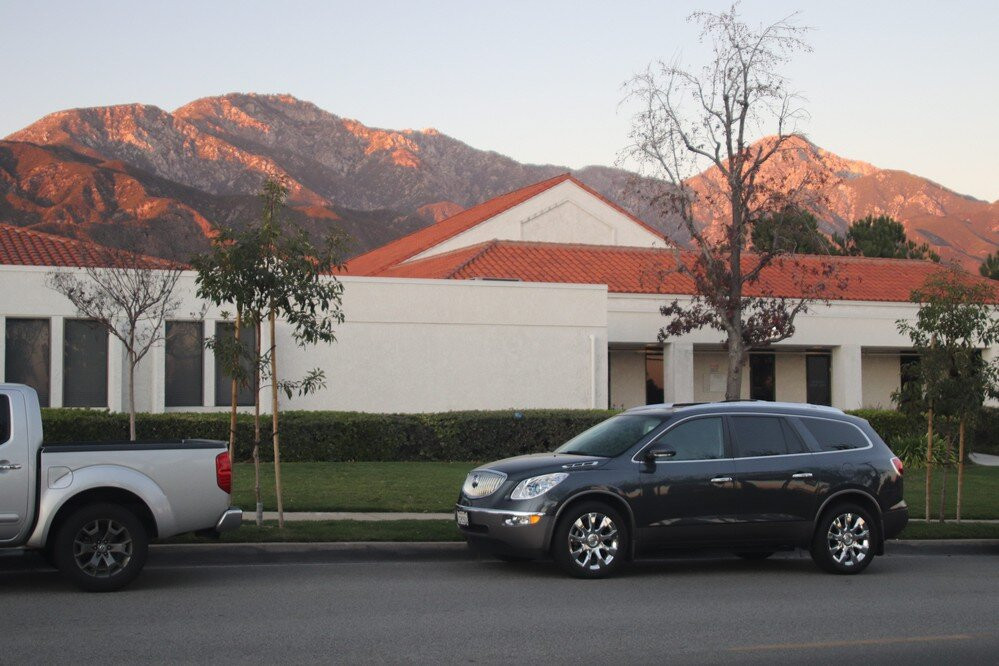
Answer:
(632, 270)
(25, 247)
(401, 249)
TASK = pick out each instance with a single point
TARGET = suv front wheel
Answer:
(844, 540)
(590, 541)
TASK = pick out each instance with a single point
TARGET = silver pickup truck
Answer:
(93, 508)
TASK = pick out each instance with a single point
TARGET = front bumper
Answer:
(230, 520)
(495, 531)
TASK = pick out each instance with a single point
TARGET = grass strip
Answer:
(950, 530)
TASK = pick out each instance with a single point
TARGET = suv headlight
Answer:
(536, 486)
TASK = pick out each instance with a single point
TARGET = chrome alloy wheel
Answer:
(102, 548)
(849, 539)
(593, 541)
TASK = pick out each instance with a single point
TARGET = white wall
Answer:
(565, 213)
(407, 345)
(882, 376)
(627, 378)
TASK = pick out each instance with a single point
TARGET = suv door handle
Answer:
(721, 479)
(9, 466)
(802, 475)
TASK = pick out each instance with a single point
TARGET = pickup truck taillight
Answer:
(223, 471)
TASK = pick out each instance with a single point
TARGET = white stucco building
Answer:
(548, 296)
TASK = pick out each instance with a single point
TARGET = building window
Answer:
(818, 379)
(762, 380)
(84, 364)
(26, 358)
(185, 368)
(654, 393)
(223, 380)
(908, 368)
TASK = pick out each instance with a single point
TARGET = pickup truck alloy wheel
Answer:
(590, 541)
(844, 539)
(100, 547)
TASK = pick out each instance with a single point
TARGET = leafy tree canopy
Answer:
(990, 267)
(790, 231)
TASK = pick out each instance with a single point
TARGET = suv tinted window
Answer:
(834, 435)
(697, 439)
(758, 436)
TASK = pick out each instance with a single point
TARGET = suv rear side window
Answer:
(757, 436)
(835, 435)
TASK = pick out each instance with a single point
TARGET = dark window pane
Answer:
(819, 388)
(223, 379)
(28, 358)
(835, 435)
(654, 394)
(794, 442)
(758, 436)
(4, 419)
(761, 377)
(697, 439)
(184, 364)
(85, 364)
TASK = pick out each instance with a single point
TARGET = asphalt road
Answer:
(309, 607)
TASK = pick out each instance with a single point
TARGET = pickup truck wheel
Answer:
(101, 547)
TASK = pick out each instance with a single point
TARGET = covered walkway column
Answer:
(847, 377)
(678, 372)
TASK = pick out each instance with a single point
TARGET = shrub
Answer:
(912, 450)
(342, 436)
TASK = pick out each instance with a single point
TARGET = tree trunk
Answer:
(234, 391)
(274, 416)
(256, 425)
(943, 481)
(929, 459)
(960, 468)
(131, 395)
(733, 382)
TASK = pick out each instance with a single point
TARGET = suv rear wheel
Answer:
(590, 541)
(844, 539)
(100, 547)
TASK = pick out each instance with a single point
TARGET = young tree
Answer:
(990, 266)
(690, 119)
(297, 284)
(881, 236)
(956, 318)
(128, 294)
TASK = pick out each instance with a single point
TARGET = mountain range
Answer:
(136, 175)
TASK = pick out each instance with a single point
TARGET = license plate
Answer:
(461, 517)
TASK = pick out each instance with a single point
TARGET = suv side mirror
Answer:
(653, 455)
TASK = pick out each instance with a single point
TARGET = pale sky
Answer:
(910, 85)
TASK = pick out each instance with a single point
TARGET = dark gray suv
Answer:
(753, 477)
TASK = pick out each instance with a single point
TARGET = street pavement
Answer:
(423, 603)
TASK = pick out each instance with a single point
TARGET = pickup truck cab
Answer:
(93, 508)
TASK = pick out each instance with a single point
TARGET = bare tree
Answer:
(130, 295)
(691, 120)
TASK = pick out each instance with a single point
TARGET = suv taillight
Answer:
(223, 471)
(897, 464)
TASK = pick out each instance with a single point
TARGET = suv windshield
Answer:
(612, 437)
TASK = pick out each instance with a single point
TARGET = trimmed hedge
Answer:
(345, 436)
(446, 436)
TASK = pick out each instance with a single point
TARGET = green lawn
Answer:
(950, 530)
(357, 486)
(981, 492)
(433, 487)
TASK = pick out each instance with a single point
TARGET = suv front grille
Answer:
(481, 483)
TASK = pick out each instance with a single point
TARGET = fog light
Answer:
(522, 520)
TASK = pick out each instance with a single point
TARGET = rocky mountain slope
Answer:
(114, 174)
